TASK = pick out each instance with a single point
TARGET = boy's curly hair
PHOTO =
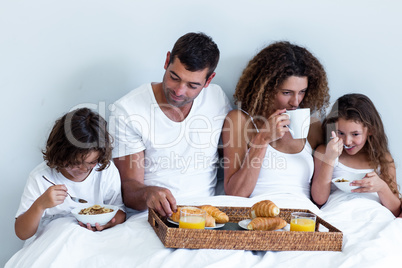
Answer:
(74, 136)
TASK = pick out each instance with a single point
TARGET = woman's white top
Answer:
(285, 173)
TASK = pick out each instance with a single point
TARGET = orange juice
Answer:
(192, 222)
(302, 225)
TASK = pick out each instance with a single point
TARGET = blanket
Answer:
(372, 237)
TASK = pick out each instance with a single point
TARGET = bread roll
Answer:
(219, 216)
(266, 223)
(265, 208)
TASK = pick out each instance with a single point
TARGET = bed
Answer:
(372, 237)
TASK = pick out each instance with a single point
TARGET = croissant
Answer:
(265, 208)
(219, 216)
(266, 223)
(176, 215)
(209, 220)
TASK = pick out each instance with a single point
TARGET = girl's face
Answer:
(81, 171)
(354, 135)
(291, 93)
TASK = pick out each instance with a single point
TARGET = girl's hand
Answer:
(334, 148)
(53, 196)
(275, 126)
(371, 183)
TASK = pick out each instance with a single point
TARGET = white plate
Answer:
(243, 224)
(217, 225)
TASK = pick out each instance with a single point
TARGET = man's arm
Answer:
(135, 193)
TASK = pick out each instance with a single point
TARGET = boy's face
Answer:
(80, 172)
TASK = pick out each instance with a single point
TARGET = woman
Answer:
(260, 154)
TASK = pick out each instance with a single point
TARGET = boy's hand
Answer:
(98, 227)
(53, 196)
(120, 217)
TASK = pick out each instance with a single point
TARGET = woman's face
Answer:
(291, 93)
(80, 172)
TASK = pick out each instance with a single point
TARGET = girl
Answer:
(260, 155)
(77, 159)
(359, 142)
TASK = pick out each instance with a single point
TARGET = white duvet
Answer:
(372, 237)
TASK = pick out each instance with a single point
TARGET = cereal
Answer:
(94, 210)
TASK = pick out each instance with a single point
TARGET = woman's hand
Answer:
(371, 183)
(274, 127)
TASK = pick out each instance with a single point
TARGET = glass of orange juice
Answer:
(302, 222)
(192, 218)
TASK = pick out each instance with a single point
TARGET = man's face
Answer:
(181, 86)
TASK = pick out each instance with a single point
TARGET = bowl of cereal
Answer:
(343, 183)
(92, 214)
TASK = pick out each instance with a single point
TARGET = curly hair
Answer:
(74, 136)
(265, 73)
(360, 109)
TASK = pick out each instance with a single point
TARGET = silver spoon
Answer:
(344, 146)
(76, 199)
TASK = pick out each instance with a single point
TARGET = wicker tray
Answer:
(172, 237)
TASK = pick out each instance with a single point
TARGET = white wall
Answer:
(55, 55)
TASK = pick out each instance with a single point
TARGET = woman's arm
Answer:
(315, 135)
(243, 159)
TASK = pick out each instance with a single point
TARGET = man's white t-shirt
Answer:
(180, 156)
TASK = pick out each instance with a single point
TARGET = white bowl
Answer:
(345, 186)
(102, 219)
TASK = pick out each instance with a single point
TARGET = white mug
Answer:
(299, 122)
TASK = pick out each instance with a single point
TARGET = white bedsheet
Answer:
(372, 238)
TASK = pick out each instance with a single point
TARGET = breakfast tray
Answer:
(172, 237)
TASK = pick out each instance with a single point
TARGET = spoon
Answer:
(344, 146)
(75, 199)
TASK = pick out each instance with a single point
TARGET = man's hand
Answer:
(161, 200)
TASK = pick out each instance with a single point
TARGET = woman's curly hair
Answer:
(265, 73)
(74, 136)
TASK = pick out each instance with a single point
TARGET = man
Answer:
(166, 134)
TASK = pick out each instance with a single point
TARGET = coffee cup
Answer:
(299, 122)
